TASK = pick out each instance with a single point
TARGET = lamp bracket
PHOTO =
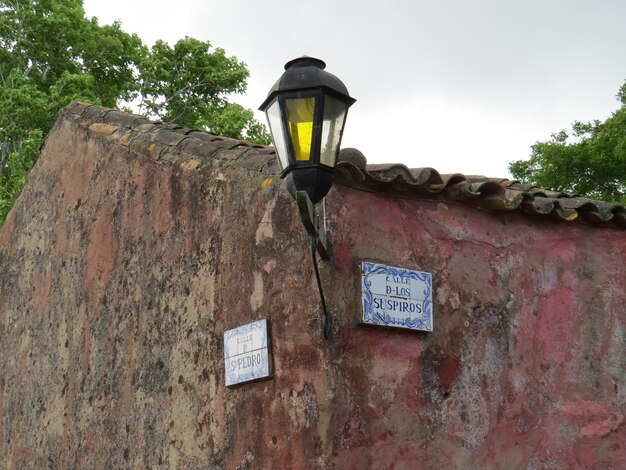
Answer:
(307, 213)
(318, 244)
(310, 220)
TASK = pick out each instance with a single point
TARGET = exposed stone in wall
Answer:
(119, 274)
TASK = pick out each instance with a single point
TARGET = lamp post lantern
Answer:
(306, 110)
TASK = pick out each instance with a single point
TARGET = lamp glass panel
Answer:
(300, 113)
(332, 128)
(278, 135)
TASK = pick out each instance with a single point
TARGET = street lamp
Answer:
(306, 110)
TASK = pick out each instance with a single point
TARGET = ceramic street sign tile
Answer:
(246, 353)
(396, 297)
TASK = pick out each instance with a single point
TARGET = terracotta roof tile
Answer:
(193, 148)
(120, 118)
(170, 138)
(170, 142)
(496, 194)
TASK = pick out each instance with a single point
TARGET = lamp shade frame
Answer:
(284, 143)
(304, 78)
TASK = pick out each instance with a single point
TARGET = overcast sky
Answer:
(458, 85)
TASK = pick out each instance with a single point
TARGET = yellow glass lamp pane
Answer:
(300, 117)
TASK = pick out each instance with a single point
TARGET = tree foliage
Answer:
(589, 161)
(51, 54)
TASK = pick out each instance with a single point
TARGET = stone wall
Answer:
(119, 275)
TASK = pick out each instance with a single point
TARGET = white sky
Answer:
(463, 86)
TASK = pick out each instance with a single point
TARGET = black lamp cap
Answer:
(306, 73)
(304, 61)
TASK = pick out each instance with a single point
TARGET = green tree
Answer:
(591, 161)
(190, 83)
(51, 54)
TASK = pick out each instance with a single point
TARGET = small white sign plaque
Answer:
(396, 297)
(246, 353)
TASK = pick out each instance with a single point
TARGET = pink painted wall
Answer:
(120, 274)
(526, 367)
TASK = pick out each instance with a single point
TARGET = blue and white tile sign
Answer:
(397, 297)
(246, 353)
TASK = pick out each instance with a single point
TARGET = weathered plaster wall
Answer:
(527, 364)
(119, 274)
